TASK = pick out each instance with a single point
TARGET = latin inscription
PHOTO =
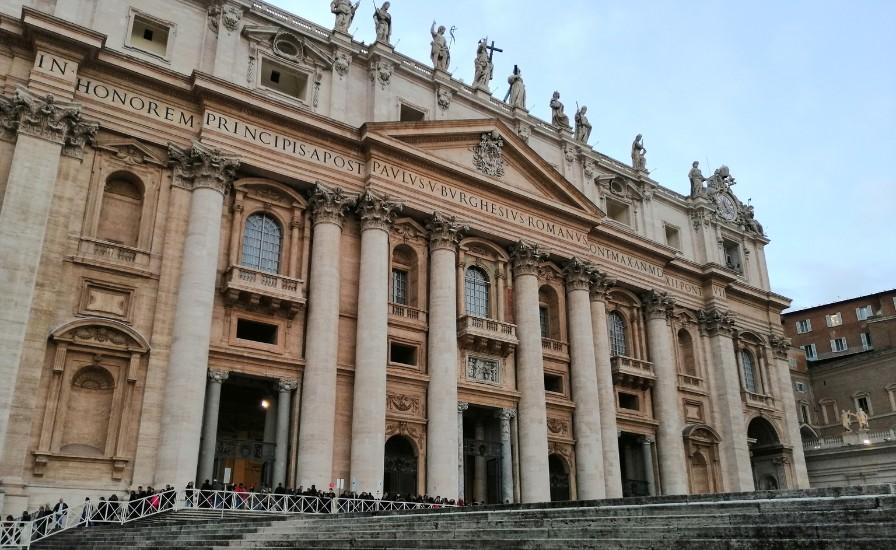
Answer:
(139, 103)
(289, 145)
(57, 66)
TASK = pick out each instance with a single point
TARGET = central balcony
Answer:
(759, 400)
(556, 349)
(631, 372)
(262, 290)
(486, 335)
(403, 314)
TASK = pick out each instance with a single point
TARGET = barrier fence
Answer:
(22, 534)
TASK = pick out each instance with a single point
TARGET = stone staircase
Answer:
(828, 519)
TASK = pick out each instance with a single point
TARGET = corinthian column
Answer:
(444, 411)
(532, 422)
(208, 173)
(43, 129)
(316, 423)
(505, 416)
(210, 423)
(284, 407)
(718, 325)
(371, 350)
(583, 374)
(606, 392)
(670, 445)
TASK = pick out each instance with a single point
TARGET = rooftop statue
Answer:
(639, 155)
(440, 54)
(383, 20)
(695, 176)
(483, 66)
(516, 95)
(558, 117)
(344, 11)
(583, 127)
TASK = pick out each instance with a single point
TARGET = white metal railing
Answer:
(865, 438)
(21, 534)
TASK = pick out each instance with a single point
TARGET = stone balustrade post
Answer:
(371, 343)
(210, 424)
(318, 414)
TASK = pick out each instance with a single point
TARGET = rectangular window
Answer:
(544, 319)
(838, 344)
(732, 256)
(402, 353)
(400, 287)
(628, 401)
(863, 312)
(283, 79)
(803, 326)
(618, 211)
(834, 320)
(149, 36)
(409, 114)
(553, 383)
(866, 340)
(809, 350)
(800, 387)
(256, 332)
(862, 403)
(673, 237)
(804, 414)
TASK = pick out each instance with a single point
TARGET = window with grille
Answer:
(261, 243)
(746, 364)
(544, 320)
(616, 327)
(476, 292)
(400, 286)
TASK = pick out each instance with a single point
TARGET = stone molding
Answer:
(202, 166)
(46, 118)
(329, 205)
(601, 284)
(287, 384)
(578, 274)
(526, 259)
(444, 232)
(657, 304)
(217, 375)
(377, 212)
(714, 321)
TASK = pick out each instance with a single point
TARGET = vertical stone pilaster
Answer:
(605, 389)
(780, 366)
(371, 343)
(667, 404)
(461, 407)
(208, 173)
(718, 326)
(583, 374)
(284, 406)
(443, 410)
(505, 416)
(224, 19)
(210, 424)
(532, 419)
(318, 414)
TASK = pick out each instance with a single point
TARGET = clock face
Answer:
(727, 208)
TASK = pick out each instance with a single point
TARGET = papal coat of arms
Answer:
(487, 155)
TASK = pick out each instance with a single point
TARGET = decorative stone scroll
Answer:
(600, 285)
(558, 427)
(46, 118)
(376, 212)
(780, 345)
(202, 166)
(287, 384)
(487, 154)
(444, 231)
(218, 376)
(443, 97)
(329, 205)
(578, 274)
(526, 258)
(403, 404)
(381, 72)
(657, 304)
(715, 321)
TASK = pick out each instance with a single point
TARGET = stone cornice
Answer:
(44, 117)
(714, 321)
(329, 205)
(601, 284)
(444, 231)
(377, 212)
(526, 258)
(578, 274)
(201, 166)
(657, 304)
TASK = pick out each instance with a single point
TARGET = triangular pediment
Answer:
(487, 150)
(131, 151)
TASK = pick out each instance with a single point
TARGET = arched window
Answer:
(121, 210)
(616, 327)
(746, 364)
(476, 292)
(261, 243)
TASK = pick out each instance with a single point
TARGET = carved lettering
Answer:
(132, 101)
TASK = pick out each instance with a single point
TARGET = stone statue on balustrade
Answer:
(695, 176)
(558, 117)
(862, 419)
(439, 52)
(483, 67)
(516, 95)
(383, 20)
(846, 419)
(344, 11)
(583, 127)
(639, 155)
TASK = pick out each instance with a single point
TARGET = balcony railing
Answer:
(407, 313)
(262, 289)
(486, 335)
(759, 400)
(628, 371)
(555, 348)
(687, 381)
(113, 253)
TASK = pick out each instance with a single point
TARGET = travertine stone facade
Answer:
(238, 245)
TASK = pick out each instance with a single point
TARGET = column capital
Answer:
(376, 212)
(201, 166)
(578, 274)
(601, 284)
(444, 231)
(218, 376)
(462, 406)
(780, 345)
(329, 205)
(714, 321)
(646, 440)
(526, 258)
(287, 384)
(657, 304)
(505, 415)
(46, 118)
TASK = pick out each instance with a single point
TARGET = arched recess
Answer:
(687, 354)
(95, 375)
(808, 433)
(559, 469)
(415, 435)
(771, 461)
(702, 450)
(753, 363)
(492, 260)
(400, 466)
(121, 209)
(626, 304)
(405, 276)
(549, 313)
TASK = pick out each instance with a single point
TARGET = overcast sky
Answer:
(798, 98)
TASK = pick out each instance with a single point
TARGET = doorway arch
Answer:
(400, 466)
(559, 476)
(769, 459)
